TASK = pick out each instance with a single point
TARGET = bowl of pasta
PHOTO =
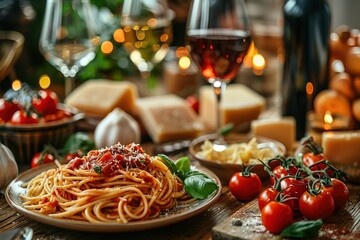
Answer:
(240, 151)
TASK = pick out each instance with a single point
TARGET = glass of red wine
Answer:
(218, 37)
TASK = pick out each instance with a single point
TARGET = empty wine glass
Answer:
(218, 35)
(68, 39)
(148, 34)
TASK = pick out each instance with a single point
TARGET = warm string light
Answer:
(184, 62)
(44, 81)
(16, 85)
(107, 47)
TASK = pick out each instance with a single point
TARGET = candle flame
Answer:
(258, 61)
(328, 119)
(249, 56)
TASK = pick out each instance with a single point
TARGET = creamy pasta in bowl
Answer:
(241, 150)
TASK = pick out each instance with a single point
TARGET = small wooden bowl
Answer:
(225, 170)
(27, 139)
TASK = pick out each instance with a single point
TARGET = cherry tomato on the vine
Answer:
(339, 191)
(7, 109)
(294, 188)
(245, 187)
(280, 171)
(270, 194)
(41, 158)
(276, 216)
(45, 102)
(310, 159)
(21, 117)
(315, 206)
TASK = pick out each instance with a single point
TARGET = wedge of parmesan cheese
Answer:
(239, 105)
(168, 118)
(281, 129)
(98, 97)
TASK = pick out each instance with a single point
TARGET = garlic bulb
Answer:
(117, 126)
(8, 166)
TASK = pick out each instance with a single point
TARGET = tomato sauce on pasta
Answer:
(119, 184)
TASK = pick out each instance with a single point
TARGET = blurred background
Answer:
(112, 62)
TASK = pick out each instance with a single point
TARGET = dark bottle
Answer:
(306, 62)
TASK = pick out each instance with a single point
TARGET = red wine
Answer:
(219, 53)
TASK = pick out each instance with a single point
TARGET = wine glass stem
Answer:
(219, 88)
(69, 85)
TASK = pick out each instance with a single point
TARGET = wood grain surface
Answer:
(246, 222)
(215, 223)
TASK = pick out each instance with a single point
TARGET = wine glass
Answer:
(68, 39)
(148, 34)
(218, 38)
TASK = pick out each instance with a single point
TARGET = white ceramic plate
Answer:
(178, 214)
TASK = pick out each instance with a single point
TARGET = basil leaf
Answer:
(303, 229)
(97, 169)
(79, 141)
(199, 186)
(183, 166)
(168, 162)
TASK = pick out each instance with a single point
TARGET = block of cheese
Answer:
(342, 147)
(239, 105)
(98, 97)
(282, 130)
(167, 118)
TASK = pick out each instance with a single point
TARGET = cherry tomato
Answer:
(7, 109)
(270, 194)
(280, 171)
(339, 191)
(21, 117)
(294, 188)
(311, 158)
(41, 158)
(316, 206)
(193, 102)
(276, 216)
(70, 156)
(245, 187)
(45, 102)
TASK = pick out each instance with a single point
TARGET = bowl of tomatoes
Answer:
(237, 152)
(30, 119)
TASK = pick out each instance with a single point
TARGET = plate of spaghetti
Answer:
(114, 189)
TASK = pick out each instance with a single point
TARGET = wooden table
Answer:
(345, 224)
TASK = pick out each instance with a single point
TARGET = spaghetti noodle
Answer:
(116, 184)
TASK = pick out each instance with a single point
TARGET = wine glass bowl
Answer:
(218, 34)
(147, 33)
(68, 39)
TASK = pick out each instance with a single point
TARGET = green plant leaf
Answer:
(303, 229)
(183, 166)
(199, 186)
(168, 162)
(79, 141)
